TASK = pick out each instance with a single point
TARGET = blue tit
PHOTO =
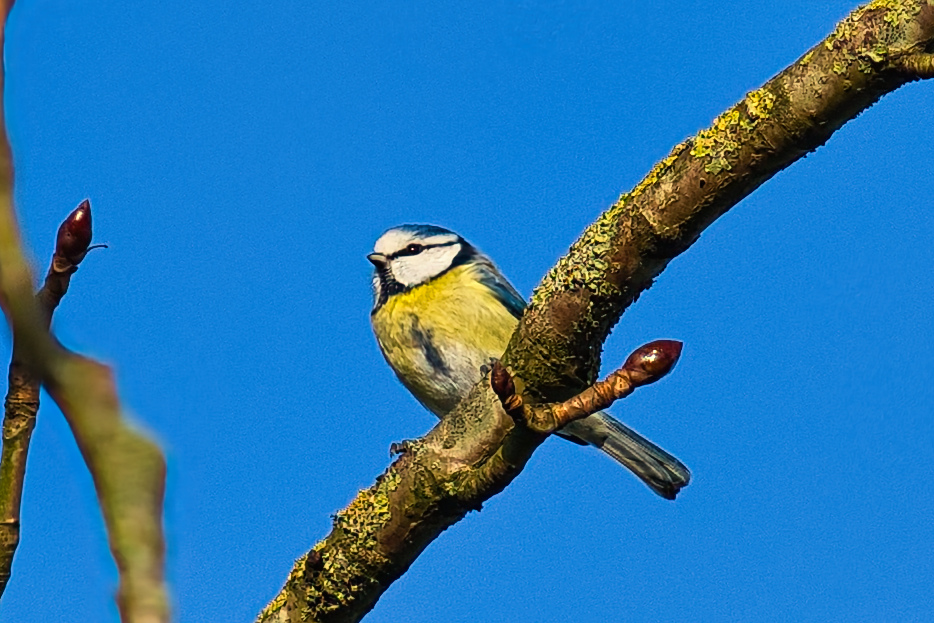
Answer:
(442, 310)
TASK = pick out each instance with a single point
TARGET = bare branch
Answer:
(647, 364)
(916, 65)
(128, 470)
(617, 257)
(22, 400)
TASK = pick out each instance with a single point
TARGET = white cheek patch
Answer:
(412, 270)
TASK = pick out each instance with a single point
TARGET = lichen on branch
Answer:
(619, 256)
(476, 450)
(646, 365)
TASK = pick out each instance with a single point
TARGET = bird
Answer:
(442, 311)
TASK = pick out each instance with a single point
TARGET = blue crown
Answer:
(423, 230)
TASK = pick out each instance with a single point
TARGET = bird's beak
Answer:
(378, 259)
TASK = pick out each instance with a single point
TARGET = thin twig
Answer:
(127, 468)
(22, 400)
(645, 365)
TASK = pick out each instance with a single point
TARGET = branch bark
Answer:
(644, 366)
(476, 451)
(22, 399)
(127, 468)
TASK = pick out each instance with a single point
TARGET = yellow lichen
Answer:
(657, 171)
(371, 506)
(275, 605)
(878, 53)
(842, 32)
(591, 249)
(806, 59)
(346, 570)
(719, 140)
(759, 103)
(894, 6)
(895, 15)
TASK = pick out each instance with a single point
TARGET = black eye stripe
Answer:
(421, 247)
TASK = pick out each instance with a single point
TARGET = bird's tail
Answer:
(662, 472)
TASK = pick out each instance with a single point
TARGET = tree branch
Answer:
(128, 470)
(618, 256)
(22, 400)
(437, 480)
(916, 65)
(475, 451)
(646, 365)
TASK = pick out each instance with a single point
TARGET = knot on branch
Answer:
(313, 563)
(644, 366)
(918, 66)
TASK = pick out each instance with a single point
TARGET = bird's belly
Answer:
(438, 372)
(441, 387)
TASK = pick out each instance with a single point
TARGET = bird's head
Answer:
(410, 255)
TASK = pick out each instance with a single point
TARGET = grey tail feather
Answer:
(662, 472)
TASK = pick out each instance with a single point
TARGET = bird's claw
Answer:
(401, 447)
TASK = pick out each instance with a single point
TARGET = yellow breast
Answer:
(437, 335)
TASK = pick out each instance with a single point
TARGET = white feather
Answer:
(439, 252)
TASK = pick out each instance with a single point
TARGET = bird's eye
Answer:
(413, 249)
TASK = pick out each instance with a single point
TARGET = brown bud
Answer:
(501, 382)
(504, 387)
(652, 361)
(74, 234)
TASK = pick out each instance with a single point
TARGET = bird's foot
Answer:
(401, 447)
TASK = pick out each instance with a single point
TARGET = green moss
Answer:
(718, 142)
(895, 16)
(591, 252)
(346, 569)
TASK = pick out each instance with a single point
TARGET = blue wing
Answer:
(500, 286)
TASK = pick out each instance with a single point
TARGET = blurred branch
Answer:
(128, 470)
(475, 451)
(22, 400)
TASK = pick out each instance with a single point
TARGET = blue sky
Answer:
(241, 158)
